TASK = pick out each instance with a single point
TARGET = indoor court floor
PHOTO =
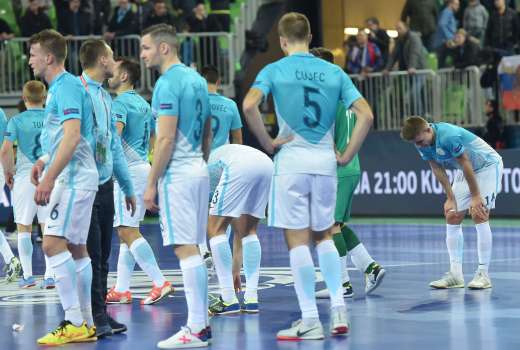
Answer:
(404, 313)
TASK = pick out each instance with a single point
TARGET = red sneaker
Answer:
(157, 293)
(114, 297)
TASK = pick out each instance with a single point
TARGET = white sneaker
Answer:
(339, 324)
(186, 339)
(448, 281)
(299, 332)
(374, 278)
(480, 281)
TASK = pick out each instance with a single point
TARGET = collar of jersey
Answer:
(90, 81)
(56, 78)
(173, 66)
(213, 94)
(302, 54)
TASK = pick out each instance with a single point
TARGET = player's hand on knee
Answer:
(149, 198)
(450, 207)
(131, 204)
(478, 210)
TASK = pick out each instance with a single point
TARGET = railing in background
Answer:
(445, 95)
(199, 49)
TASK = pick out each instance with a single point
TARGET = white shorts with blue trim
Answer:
(123, 217)
(24, 206)
(70, 211)
(299, 201)
(243, 190)
(183, 203)
(489, 180)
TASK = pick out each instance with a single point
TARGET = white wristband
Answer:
(45, 158)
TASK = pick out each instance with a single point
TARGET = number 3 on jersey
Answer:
(199, 124)
(311, 121)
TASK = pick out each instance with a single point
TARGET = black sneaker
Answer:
(348, 292)
(373, 277)
(103, 330)
(116, 326)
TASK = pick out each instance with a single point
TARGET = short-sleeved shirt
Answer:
(25, 129)
(345, 123)
(135, 113)
(181, 92)
(452, 141)
(3, 125)
(306, 92)
(224, 118)
(67, 100)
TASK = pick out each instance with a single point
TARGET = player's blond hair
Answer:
(412, 127)
(34, 91)
(295, 27)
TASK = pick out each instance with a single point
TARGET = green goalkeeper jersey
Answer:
(345, 122)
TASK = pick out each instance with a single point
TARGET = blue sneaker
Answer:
(27, 283)
(250, 306)
(48, 283)
(221, 308)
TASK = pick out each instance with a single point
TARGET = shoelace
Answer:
(61, 328)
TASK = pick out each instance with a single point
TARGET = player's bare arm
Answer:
(207, 139)
(440, 174)
(163, 149)
(364, 122)
(7, 158)
(236, 136)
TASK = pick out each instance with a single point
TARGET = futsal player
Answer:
(134, 124)
(179, 173)
(25, 129)
(474, 188)
(345, 238)
(306, 92)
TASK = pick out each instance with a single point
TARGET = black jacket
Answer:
(32, 23)
(502, 30)
(66, 23)
(127, 26)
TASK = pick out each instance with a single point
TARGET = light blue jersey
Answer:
(452, 141)
(114, 163)
(135, 113)
(181, 92)
(224, 118)
(3, 125)
(67, 100)
(25, 129)
(306, 92)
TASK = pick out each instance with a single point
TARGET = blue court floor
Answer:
(402, 314)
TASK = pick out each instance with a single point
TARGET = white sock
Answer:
(5, 249)
(125, 268)
(223, 261)
(345, 277)
(484, 245)
(252, 255)
(145, 258)
(25, 252)
(84, 276)
(203, 247)
(360, 257)
(455, 244)
(304, 276)
(195, 277)
(48, 269)
(66, 285)
(330, 267)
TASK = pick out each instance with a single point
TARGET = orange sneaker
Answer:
(114, 297)
(157, 293)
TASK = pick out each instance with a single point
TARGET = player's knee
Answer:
(454, 218)
(478, 219)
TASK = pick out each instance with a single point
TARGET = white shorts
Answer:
(299, 201)
(69, 214)
(183, 203)
(24, 206)
(489, 182)
(123, 217)
(243, 190)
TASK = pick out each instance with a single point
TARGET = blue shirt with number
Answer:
(135, 113)
(452, 141)
(182, 93)
(306, 91)
(224, 118)
(25, 129)
(67, 100)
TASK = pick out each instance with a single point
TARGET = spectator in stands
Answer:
(447, 25)
(160, 14)
(144, 9)
(74, 21)
(123, 22)
(409, 52)
(463, 52)
(6, 32)
(219, 17)
(185, 7)
(494, 133)
(364, 57)
(502, 30)
(421, 16)
(198, 21)
(187, 48)
(34, 20)
(475, 21)
(378, 36)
